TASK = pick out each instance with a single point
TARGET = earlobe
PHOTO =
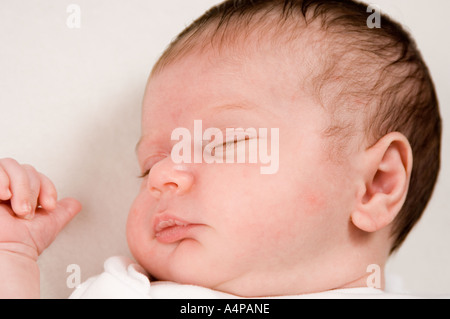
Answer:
(374, 214)
(363, 221)
(385, 179)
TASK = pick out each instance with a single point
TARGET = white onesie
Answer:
(125, 279)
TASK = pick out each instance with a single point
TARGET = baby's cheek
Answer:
(138, 226)
(321, 190)
(316, 201)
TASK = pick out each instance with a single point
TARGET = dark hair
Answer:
(378, 70)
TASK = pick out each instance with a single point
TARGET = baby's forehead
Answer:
(250, 79)
(273, 58)
(291, 57)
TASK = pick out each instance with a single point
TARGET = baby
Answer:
(344, 106)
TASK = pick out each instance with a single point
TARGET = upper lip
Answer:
(165, 220)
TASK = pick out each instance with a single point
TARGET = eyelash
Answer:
(225, 144)
(145, 174)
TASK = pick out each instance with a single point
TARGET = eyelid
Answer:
(226, 143)
(143, 175)
(155, 159)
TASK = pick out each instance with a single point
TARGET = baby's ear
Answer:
(386, 172)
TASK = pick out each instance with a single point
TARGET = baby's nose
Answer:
(166, 176)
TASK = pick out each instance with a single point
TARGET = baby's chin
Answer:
(188, 275)
(235, 286)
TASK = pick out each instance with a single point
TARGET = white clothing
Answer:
(125, 279)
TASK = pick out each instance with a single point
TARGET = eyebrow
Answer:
(143, 140)
(228, 107)
(240, 107)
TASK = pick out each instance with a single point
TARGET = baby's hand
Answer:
(30, 215)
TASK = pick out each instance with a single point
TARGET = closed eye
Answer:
(155, 160)
(145, 174)
(229, 143)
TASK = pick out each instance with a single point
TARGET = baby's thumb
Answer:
(66, 209)
(47, 224)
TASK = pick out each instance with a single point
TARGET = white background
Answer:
(70, 105)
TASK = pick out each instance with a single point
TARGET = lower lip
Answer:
(173, 234)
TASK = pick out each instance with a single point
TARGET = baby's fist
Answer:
(30, 214)
(25, 188)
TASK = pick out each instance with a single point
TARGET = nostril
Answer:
(155, 191)
(171, 185)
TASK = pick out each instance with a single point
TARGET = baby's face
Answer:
(227, 226)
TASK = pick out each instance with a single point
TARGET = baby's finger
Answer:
(35, 187)
(5, 193)
(48, 195)
(19, 186)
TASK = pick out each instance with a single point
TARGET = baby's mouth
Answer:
(169, 229)
(169, 223)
